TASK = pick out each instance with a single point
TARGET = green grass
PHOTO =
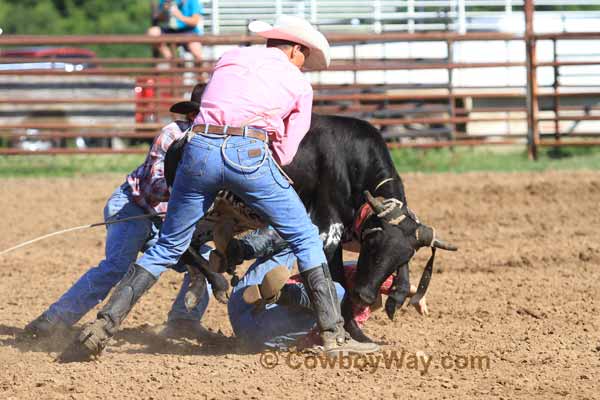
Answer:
(67, 165)
(494, 159)
(406, 160)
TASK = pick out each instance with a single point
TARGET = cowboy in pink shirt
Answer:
(264, 87)
(259, 86)
(254, 113)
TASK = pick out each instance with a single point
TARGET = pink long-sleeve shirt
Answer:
(259, 86)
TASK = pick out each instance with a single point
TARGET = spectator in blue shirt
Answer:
(182, 17)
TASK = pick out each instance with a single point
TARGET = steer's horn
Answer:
(426, 237)
(440, 244)
(375, 203)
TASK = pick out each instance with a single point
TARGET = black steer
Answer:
(341, 162)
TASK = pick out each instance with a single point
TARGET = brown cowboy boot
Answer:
(268, 291)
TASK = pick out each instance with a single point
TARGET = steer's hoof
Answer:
(193, 297)
(222, 296)
(190, 329)
(356, 333)
(421, 305)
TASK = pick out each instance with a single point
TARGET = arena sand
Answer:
(514, 313)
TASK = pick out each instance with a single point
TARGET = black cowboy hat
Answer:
(186, 107)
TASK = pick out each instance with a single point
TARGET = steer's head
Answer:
(390, 234)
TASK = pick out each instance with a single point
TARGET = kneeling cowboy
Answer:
(143, 192)
(257, 102)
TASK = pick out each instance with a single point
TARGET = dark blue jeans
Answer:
(124, 241)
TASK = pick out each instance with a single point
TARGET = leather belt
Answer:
(247, 131)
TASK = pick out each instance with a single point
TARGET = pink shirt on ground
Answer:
(259, 86)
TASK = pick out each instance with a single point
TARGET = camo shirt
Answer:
(148, 185)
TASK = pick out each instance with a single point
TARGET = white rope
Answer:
(243, 167)
(78, 228)
(390, 205)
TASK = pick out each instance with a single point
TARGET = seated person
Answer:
(286, 319)
(181, 17)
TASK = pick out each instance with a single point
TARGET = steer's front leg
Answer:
(350, 324)
(336, 266)
(335, 262)
(199, 274)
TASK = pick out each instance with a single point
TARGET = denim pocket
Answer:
(251, 160)
(195, 157)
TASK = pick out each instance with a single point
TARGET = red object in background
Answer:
(143, 92)
(162, 87)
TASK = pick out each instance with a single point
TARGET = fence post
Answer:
(313, 12)
(555, 84)
(279, 8)
(410, 8)
(451, 99)
(215, 17)
(462, 17)
(532, 86)
(377, 25)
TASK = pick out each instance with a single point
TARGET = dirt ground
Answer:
(513, 314)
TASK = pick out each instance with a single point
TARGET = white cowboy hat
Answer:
(297, 30)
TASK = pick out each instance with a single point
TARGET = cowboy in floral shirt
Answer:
(144, 192)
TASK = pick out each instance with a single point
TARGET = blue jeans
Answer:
(124, 240)
(244, 166)
(276, 326)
